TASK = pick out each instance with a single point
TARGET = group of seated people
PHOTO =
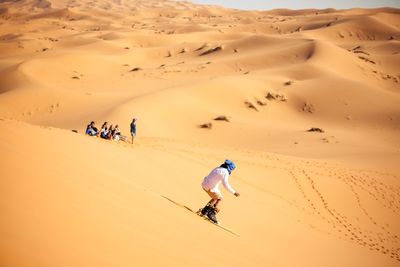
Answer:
(110, 133)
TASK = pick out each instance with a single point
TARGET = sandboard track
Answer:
(307, 176)
(192, 211)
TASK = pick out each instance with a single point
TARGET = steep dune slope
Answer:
(93, 202)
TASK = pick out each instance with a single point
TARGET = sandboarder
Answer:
(211, 186)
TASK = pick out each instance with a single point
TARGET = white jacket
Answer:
(214, 179)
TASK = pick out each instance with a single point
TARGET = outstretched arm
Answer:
(227, 185)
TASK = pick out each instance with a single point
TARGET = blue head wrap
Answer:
(230, 166)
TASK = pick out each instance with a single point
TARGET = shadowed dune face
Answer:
(206, 83)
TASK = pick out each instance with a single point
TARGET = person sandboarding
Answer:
(211, 185)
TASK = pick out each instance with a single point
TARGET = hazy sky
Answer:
(300, 4)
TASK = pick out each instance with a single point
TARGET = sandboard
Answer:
(198, 213)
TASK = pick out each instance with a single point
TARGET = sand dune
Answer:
(104, 202)
(324, 198)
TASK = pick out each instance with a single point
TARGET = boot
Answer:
(206, 209)
(211, 215)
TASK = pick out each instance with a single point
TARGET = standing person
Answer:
(133, 129)
(211, 185)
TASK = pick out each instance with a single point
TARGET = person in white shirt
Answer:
(211, 185)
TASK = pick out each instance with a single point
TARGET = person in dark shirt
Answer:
(104, 130)
(91, 129)
(133, 129)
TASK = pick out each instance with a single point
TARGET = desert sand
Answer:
(329, 198)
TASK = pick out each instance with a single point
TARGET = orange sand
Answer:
(307, 198)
